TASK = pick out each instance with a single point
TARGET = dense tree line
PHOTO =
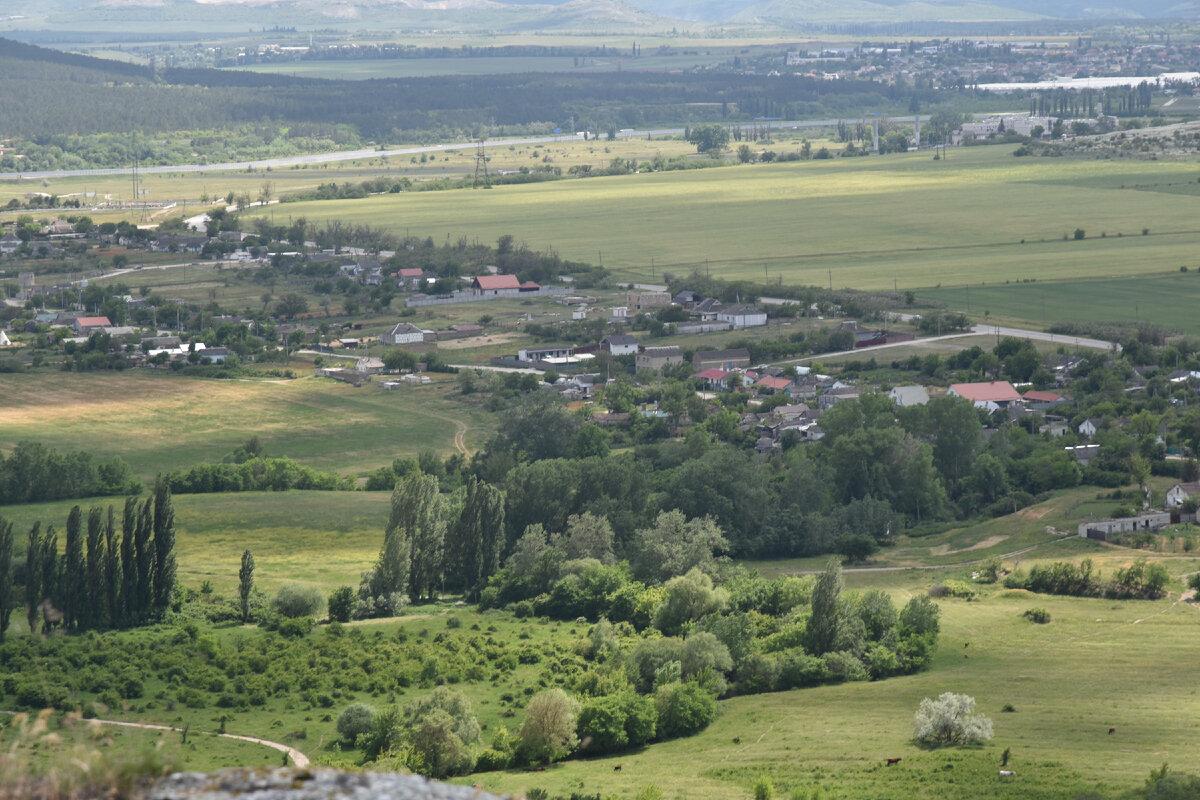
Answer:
(103, 578)
(34, 473)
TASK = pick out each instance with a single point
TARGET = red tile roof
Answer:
(530, 285)
(712, 375)
(93, 322)
(989, 391)
(1039, 396)
(771, 382)
(492, 282)
(411, 272)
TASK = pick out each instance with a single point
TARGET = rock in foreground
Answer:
(319, 784)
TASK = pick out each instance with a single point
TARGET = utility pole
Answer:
(483, 177)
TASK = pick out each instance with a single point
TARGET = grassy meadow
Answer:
(161, 422)
(903, 220)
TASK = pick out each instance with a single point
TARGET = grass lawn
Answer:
(902, 220)
(161, 422)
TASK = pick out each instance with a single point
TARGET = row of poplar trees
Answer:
(426, 549)
(101, 579)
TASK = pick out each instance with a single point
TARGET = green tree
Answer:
(129, 565)
(144, 558)
(341, 604)
(548, 732)
(51, 579)
(93, 611)
(245, 584)
(8, 596)
(164, 547)
(674, 545)
(821, 630)
(33, 575)
(709, 139)
(112, 572)
(74, 572)
(474, 543)
(589, 536)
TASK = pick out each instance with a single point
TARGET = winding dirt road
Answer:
(297, 758)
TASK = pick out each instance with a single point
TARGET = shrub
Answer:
(798, 669)
(614, 722)
(1039, 615)
(764, 789)
(688, 597)
(844, 666)
(548, 733)
(294, 600)
(684, 709)
(758, 673)
(953, 588)
(355, 720)
(950, 720)
(341, 604)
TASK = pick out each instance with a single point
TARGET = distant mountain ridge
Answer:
(610, 15)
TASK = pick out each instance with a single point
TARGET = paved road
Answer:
(978, 330)
(367, 153)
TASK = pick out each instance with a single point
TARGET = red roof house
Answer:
(772, 384)
(715, 378)
(1039, 396)
(999, 393)
(497, 283)
(84, 324)
(410, 272)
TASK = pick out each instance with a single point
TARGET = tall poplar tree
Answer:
(426, 521)
(74, 572)
(129, 564)
(473, 544)
(33, 575)
(51, 580)
(144, 561)
(91, 615)
(112, 572)
(246, 584)
(7, 590)
(164, 547)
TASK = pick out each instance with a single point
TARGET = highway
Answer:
(367, 153)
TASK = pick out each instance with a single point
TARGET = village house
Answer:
(215, 355)
(743, 316)
(404, 333)
(770, 384)
(86, 325)
(988, 395)
(497, 285)
(657, 358)
(714, 378)
(411, 277)
(1180, 493)
(707, 309)
(721, 359)
(619, 345)
(9, 244)
(837, 395)
(531, 354)
(1042, 401)
(1083, 453)
(1089, 427)
(1149, 521)
(647, 301)
(908, 396)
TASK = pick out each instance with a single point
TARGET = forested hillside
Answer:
(47, 95)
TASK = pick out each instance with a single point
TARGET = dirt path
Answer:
(298, 759)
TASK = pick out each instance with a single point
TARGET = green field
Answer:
(1168, 299)
(904, 220)
(161, 422)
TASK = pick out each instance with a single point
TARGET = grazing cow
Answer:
(1006, 773)
(1111, 731)
(617, 768)
(891, 762)
(737, 740)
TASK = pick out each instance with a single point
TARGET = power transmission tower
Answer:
(482, 176)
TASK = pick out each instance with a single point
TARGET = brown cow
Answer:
(891, 762)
